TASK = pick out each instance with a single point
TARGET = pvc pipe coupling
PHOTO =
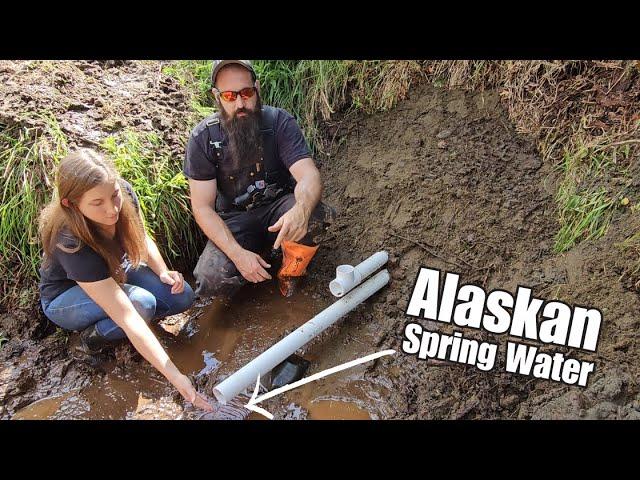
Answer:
(349, 277)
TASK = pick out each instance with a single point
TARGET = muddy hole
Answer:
(216, 341)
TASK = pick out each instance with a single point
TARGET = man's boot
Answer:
(296, 258)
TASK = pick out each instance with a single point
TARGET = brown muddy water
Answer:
(217, 341)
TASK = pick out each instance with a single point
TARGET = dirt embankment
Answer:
(444, 181)
(92, 100)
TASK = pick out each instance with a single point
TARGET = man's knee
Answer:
(222, 283)
(215, 274)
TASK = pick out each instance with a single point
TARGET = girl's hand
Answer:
(190, 394)
(173, 278)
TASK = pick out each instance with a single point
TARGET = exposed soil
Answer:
(443, 181)
(91, 100)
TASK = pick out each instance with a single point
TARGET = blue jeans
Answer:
(152, 299)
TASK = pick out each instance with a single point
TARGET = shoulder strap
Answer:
(270, 158)
(215, 137)
(268, 119)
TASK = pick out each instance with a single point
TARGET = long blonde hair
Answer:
(77, 173)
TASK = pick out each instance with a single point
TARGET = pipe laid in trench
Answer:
(349, 277)
(266, 361)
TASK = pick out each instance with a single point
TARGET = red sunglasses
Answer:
(231, 96)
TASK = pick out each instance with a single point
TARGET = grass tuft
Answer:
(28, 157)
(595, 182)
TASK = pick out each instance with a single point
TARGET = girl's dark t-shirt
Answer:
(63, 270)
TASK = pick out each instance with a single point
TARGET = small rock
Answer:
(398, 274)
(13, 350)
(622, 344)
(510, 401)
(160, 123)
(78, 107)
(442, 144)
(175, 323)
(444, 134)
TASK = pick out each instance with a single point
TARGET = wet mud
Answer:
(215, 341)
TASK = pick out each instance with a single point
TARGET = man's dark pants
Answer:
(216, 275)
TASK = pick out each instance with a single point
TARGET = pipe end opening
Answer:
(219, 396)
(336, 289)
(344, 269)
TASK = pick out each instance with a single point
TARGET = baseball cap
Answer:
(218, 64)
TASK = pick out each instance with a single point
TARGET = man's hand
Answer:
(292, 225)
(251, 266)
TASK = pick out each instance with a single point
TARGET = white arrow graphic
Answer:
(251, 404)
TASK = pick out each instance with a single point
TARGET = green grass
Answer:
(195, 75)
(27, 159)
(308, 89)
(279, 85)
(162, 191)
(583, 216)
(586, 197)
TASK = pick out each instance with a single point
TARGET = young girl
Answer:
(93, 278)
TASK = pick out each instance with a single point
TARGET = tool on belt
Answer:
(258, 194)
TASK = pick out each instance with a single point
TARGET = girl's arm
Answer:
(114, 301)
(156, 263)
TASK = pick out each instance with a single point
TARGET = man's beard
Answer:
(245, 139)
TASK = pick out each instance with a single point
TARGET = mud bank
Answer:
(92, 99)
(444, 181)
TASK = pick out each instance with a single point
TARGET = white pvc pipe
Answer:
(348, 277)
(267, 361)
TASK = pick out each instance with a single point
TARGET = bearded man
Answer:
(253, 186)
